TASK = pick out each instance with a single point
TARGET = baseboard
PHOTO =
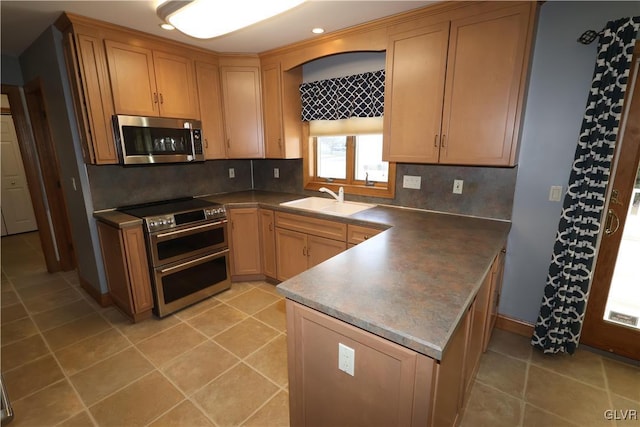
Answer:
(516, 326)
(103, 299)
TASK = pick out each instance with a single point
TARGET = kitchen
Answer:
(531, 215)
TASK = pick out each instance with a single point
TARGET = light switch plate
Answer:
(410, 181)
(457, 186)
(276, 172)
(232, 173)
(555, 193)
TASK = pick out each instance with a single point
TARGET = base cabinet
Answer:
(268, 242)
(125, 261)
(245, 243)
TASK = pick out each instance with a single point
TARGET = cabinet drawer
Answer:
(315, 226)
(358, 234)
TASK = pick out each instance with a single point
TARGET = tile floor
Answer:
(66, 361)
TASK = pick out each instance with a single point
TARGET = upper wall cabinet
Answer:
(282, 107)
(455, 89)
(151, 83)
(208, 79)
(242, 109)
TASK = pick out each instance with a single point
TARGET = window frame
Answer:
(351, 185)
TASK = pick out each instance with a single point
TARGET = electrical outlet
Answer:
(232, 173)
(457, 186)
(409, 181)
(555, 193)
(346, 359)
(276, 172)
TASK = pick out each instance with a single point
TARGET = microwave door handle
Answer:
(193, 261)
(160, 236)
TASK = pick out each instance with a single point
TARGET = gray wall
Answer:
(560, 79)
(44, 60)
(11, 73)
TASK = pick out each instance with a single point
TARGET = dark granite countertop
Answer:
(410, 284)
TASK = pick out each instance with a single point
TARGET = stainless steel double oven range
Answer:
(187, 251)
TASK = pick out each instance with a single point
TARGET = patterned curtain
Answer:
(360, 95)
(557, 329)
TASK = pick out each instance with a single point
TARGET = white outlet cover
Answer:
(232, 173)
(276, 172)
(457, 186)
(410, 181)
(555, 193)
(346, 359)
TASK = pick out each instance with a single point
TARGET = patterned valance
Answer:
(360, 95)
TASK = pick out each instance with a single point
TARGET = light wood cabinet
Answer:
(497, 272)
(281, 107)
(478, 324)
(303, 242)
(124, 255)
(245, 242)
(208, 80)
(485, 60)
(268, 242)
(242, 107)
(151, 83)
(358, 234)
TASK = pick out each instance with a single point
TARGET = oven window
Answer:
(190, 280)
(190, 243)
(144, 141)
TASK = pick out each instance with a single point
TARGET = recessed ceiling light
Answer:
(166, 26)
(317, 30)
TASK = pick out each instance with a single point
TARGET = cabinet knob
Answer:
(304, 251)
(206, 143)
(280, 142)
(155, 98)
(161, 99)
(435, 141)
(444, 137)
(366, 237)
(228, 142)
(270, 227)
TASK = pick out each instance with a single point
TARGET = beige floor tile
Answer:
(269, 287)
(82, 354)
(245, 337)
(138, 403)
(56, 284)
(8, 298)
(274, 414)
(25, 280)
(623, 379)
(63, 314)
(274, 315)
(104, 378)
(626, 412)
(534, 417)
(490, 408)
(50, 301)
(79, 420)
(502, 372)
(237, 288)
(253, 301)
(566, 397)
(147, 328)
(72, 332)
(197, 308)
(216, 320)
(23, 351)
(13, 312)
(17, 330)
(510, 344)
(47, 407)
(583, 365)
(183, 415)
(271, 360)
(169, 344)
(32, 377)
(197, 367)
(235, 395)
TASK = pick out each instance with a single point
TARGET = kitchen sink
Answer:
(328, 206)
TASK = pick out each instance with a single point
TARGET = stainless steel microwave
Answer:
(148, 140)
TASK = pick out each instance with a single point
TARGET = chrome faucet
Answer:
(339, 197)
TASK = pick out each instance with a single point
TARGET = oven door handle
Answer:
(189, 230)
(193, 261)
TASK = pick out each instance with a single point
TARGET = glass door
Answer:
(612, 319)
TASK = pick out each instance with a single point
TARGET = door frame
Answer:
(56, 247)
(595, 331)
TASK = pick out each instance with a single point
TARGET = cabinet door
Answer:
(133, 82)
(497, 271)
(479, 321)
(208, 79)
(271, 96)
(138, 267)
(245, 241)
(358, 234)
(176, 85)
(416, 66)
(268, 242)
(320, 249)
(291, 253)
(242, 112)
(484, 72)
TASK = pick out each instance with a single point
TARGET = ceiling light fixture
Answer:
(317, 30)
(205, 19)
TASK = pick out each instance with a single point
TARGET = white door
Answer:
(17, 210)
